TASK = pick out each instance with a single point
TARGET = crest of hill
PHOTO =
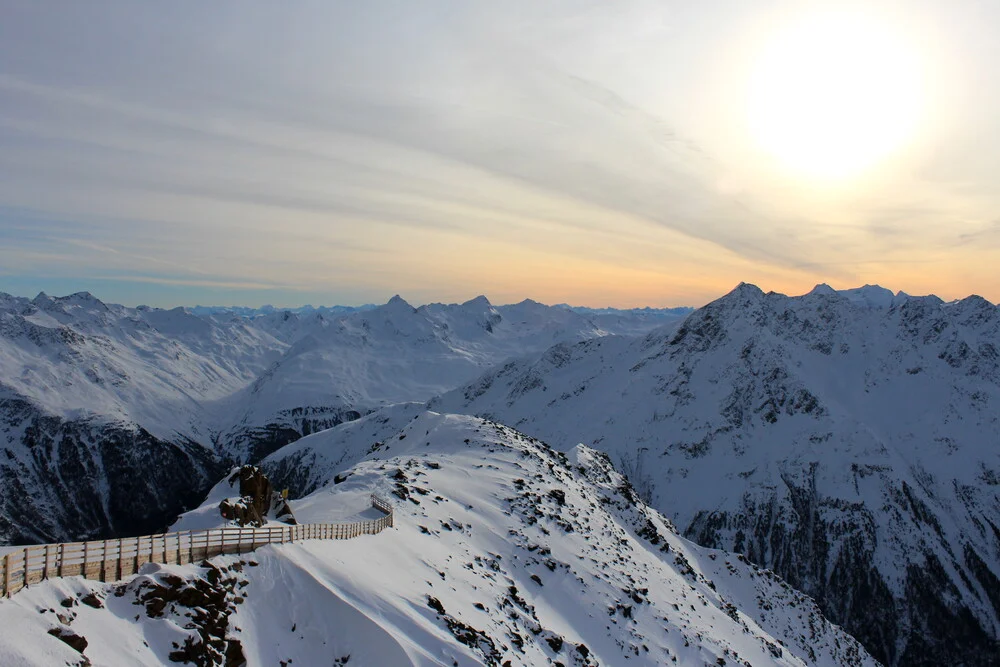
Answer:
(533, 553)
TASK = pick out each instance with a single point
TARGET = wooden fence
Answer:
(111, 560)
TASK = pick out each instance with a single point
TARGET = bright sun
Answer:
(833, 95)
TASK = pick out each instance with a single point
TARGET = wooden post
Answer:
(62, 557)
(6, 575)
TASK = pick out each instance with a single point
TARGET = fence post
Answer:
(6, 575)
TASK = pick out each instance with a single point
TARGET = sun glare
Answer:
(832, 96)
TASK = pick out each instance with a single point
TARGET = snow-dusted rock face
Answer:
(106, 413)
(66, 480)
(850, 441)
(503, 552)
(95, 396)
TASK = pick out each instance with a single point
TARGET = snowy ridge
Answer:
(136, 410)
(847, 440)
(503, 550)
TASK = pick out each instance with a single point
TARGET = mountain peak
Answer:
(398, 302)
(872, 296)
(744, 292)
(822, 288)
(479, 302)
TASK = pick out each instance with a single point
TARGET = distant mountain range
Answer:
(134, 412)
(245, 311)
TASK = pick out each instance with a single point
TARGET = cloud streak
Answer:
(320, 146)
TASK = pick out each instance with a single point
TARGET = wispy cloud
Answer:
(228, 284)
(339, 143)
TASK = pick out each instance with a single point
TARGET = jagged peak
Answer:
(397, 300)
(747, 288)
(744, 292)
(397, 305)
(974, 300)
(479, 302)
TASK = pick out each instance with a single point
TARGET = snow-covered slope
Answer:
(75, 356)
(339, 369)
(848, 440)
(505, 552)
(132, 411)
(107, 413)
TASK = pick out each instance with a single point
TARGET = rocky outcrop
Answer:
(257, 500)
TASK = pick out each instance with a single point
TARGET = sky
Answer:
(634, 153)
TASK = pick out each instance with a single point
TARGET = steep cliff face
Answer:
(847, 440)
(65, 480)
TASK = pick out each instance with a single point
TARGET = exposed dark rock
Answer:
(253, 444)
(91, 600)
(201, 605)
(122, 480)
(77, 642)
(257, 500)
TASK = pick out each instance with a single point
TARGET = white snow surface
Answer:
(521, 552)
(881, 408)
(206, 376)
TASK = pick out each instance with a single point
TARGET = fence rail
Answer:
(111, 560)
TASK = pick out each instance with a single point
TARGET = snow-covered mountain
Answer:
(337, 369)
(106, 412)
(505, 552)
(132, 412)
(850, 441)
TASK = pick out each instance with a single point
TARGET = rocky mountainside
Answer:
(505, 552)
(848, 440)
(114, 419)
(106, 413)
